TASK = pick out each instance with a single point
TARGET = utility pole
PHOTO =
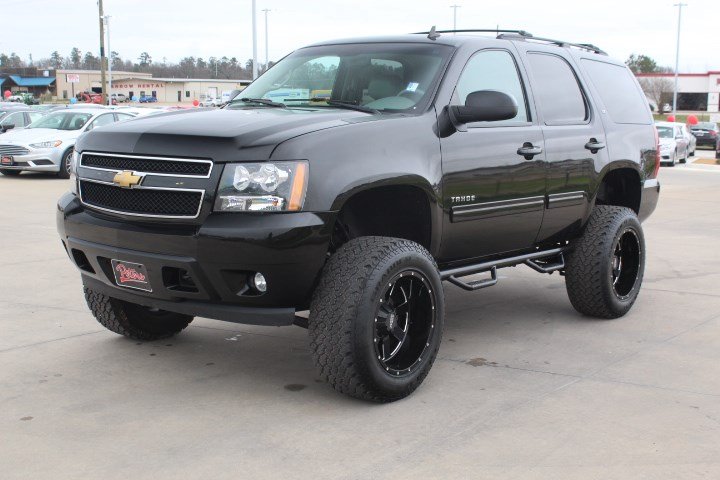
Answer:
(254, 34)
(267, 56)
(455, 7)
(103, 65)
(109, 91)
(677, 55)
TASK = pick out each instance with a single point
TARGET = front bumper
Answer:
(45, 160)
(219, 257)
(706, 142)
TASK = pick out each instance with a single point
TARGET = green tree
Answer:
(56, 60)
(641, 64)
(116, 61)
(145, 59)
(75, 57)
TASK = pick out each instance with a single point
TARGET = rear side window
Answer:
(617, 89)
(557, 90)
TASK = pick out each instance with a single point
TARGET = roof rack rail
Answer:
(518, 35)
(560, 43)
(486, 30)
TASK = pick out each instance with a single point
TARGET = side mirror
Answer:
(484, 106)
(7, 126)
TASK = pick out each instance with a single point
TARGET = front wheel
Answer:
(134, 321)
(66, 164)
(376, 318)
(604, 269)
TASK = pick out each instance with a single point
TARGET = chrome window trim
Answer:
(121, 212)
(145, 157)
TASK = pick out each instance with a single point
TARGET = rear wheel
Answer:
(10, 173)
(605, 267)
(376, 318)
(134, 321)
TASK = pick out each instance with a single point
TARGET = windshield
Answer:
(387, 77)
(62, 121)
(665, 132)
(703, 126)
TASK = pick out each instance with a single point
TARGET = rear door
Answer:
(574, 138)
(494, 195)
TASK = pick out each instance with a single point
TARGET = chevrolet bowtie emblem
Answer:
(127, 179)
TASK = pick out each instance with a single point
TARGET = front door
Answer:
(571, 129)
(179, 96)
(495, 196)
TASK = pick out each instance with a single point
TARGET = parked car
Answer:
(210, 102)
(666, 108)
(674, 147)
(707, 134)
(119, 97)
(690, 139)
(46, 145)
(148, 99)
(436, 157)
(17, 118)
(93, 98)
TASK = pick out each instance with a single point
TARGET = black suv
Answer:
(352, 179)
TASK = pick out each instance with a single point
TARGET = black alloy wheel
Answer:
(404, 323)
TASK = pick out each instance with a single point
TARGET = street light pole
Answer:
(677, 56)
(254, 34)
(267, 56)
(455, 7)
(107, 25)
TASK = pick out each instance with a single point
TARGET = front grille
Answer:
(141, 201)
(13, 150)
(194, 168)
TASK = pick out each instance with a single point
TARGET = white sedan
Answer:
(674, 146)
(46, 145)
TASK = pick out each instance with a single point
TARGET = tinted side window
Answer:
(618, 91)
(492, 70)
(106, 119)
(557, 91)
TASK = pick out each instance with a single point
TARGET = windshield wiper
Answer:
(336, 103)
(263, 101)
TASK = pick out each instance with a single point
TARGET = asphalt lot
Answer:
(524, 387)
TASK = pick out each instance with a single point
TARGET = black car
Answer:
(707, 134)
(352, 179)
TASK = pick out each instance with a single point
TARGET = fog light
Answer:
(260, 283)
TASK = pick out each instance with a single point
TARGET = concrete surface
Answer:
(524, 387)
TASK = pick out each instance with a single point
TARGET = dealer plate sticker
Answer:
(131, 275)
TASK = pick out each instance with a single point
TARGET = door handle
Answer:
(528, 150)
(593, 145)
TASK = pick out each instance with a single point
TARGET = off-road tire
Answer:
(344, 308)
(66, 159)
(134, 321)
(589, 267)
(10, 173)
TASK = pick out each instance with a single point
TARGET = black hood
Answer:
(220, 134)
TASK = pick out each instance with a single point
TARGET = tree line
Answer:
(188, 67)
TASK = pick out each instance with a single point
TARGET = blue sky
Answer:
(178, 28)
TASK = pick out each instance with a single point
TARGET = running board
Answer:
(545, 261)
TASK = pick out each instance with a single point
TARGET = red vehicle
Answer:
(92, 98)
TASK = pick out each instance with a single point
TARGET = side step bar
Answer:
(545, 261)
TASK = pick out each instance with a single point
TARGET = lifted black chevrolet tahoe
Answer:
(352, 179)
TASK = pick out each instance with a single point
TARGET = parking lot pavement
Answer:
(523, 388)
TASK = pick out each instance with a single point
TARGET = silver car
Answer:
(46, 145)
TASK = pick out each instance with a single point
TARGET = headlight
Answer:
(259, 187)
(49, 144)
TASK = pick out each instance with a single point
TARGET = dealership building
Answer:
(696, 91)
(69, 83)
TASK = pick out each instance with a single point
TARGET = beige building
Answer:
(167, 90)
